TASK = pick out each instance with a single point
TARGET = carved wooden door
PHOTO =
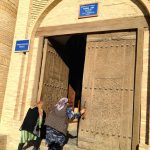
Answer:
(54, 77)
(108, 90)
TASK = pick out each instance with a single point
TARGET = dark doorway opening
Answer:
(71, 48)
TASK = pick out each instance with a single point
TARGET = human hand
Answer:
(82, 111)
(40, 112)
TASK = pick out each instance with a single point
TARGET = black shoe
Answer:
(20, 146)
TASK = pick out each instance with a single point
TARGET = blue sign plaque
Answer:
(22, 46)
(88, 10)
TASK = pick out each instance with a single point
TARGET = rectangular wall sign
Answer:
(22, 46)
(88, 10)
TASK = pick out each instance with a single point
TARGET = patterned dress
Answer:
(54, 136)
(28, 136)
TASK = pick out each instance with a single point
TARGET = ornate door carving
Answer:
(108, 90)
(54, 77)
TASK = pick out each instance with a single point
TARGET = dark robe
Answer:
(30, 121)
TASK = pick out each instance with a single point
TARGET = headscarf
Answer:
(61, 103)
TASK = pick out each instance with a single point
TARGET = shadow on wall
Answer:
(3, 142)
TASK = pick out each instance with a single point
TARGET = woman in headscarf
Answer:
(57, 123)
(32, 128)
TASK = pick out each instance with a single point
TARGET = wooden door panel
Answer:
(108, 90)
(54, 81)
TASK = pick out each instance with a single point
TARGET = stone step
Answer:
(3, 142)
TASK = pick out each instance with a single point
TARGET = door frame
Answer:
(94, 26)
(42, 70)
(128, 23)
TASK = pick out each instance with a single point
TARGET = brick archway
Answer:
(141, 4)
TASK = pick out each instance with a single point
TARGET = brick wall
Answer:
(67, 11)
(8, 13)
(17, 69)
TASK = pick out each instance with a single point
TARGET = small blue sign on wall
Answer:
(88, 10)
(22, 46)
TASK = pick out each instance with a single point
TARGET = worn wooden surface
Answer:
(54, 77)
(108, 90)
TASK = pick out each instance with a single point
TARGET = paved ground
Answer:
(71, 145)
